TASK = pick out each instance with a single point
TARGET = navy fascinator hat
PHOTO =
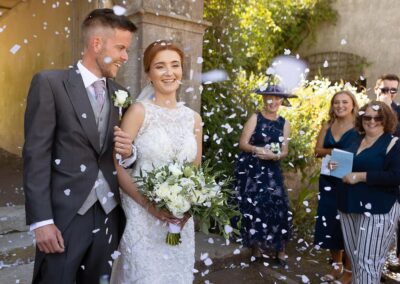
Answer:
(277, 91)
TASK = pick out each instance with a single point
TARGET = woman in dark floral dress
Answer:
(262, 198)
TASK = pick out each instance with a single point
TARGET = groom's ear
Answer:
(96, 43)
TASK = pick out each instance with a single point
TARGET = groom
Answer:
(69, 177)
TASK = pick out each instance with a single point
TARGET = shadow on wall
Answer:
(11, 191)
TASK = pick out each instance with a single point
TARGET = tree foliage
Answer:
(243, 39)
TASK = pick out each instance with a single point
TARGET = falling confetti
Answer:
(83, 168)
(15, 48)
(375, 107)
(115, 255)
(67, 192)
(119, 10)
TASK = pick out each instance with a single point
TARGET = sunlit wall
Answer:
(34, 35)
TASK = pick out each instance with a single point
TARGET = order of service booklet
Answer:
(344, 162)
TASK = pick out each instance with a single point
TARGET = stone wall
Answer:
(180, 21)
(369, 29)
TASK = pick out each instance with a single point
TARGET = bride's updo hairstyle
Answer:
(157, 46)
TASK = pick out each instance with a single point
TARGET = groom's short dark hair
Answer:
(105, 18)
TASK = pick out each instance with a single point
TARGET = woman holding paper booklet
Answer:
(336, 133)
(367, 199)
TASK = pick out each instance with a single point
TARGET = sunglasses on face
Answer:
(375, 118)
(386, 90)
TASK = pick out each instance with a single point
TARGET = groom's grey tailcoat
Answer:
(62, 154)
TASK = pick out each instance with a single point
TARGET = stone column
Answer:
(179, 21)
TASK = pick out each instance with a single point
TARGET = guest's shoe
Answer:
(280, 262)
(394, 267)
(335, 274)
(346, 277)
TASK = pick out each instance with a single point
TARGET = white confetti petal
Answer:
(83, 168)
(107, 60)
(57, 161)
(236, 251)
(199, 60)
(228, 229)
(203, 256)
(208, 262)
(361, 112)
(326, 64)
(343, 41)
(95, 231)
(119, 10)
(305, 279)
(368, 206)
(15, 48)
(115, 255)
(84, 115)
(67, 192)
(375, 107)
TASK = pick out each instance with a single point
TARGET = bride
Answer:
(163, 130)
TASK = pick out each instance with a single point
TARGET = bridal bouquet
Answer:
(184, 188)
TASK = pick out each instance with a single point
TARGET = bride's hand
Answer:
(183, 221)
(163, 215)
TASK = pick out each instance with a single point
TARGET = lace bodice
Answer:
(166, 134)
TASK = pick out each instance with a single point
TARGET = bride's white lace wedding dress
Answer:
(166, 134)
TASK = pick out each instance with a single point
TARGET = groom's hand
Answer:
(123, 143)
(49, 239)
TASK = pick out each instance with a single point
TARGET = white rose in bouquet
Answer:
(163, 190)
(179, 206)
(175, 169)
(187, 183)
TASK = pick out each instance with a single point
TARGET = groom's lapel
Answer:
(83, 109)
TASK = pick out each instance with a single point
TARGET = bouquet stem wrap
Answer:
(174, 235)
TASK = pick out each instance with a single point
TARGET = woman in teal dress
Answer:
(337, 133)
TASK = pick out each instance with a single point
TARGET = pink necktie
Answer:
(99, 90)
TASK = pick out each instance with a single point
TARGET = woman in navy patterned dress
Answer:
(263, 200)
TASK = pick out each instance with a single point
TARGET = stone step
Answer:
(221, 255)
(21, 274)
(17, 248)
(12, 219)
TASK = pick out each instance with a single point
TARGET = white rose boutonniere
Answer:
(121, 100)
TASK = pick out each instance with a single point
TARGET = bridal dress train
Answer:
(166, 134)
